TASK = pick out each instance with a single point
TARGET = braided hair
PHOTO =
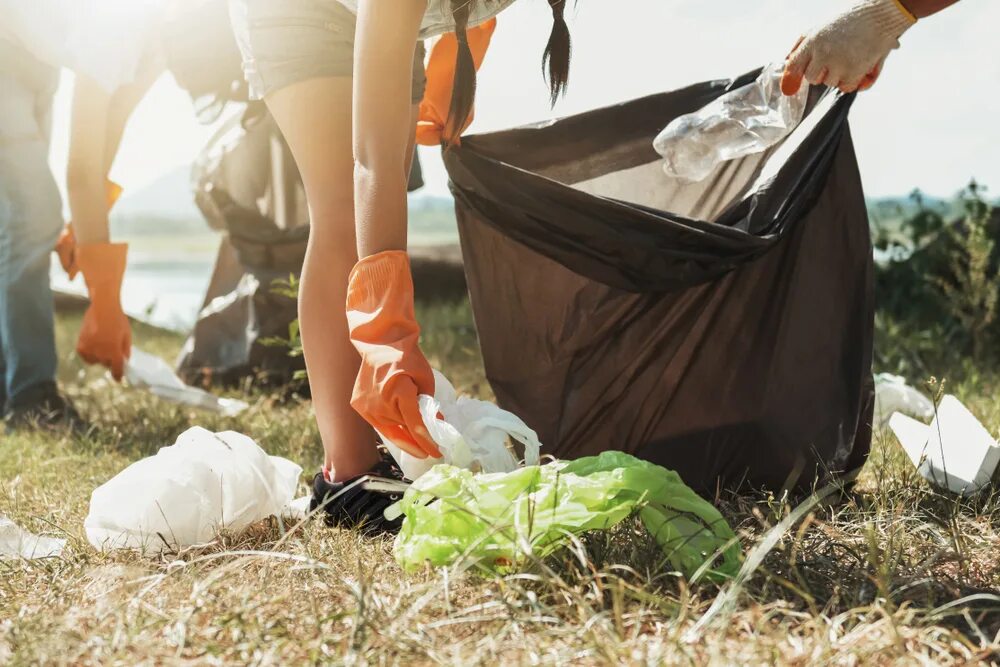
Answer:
(555, 64)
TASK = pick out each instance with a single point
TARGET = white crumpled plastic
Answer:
(188, 492)
(473, 434)
(954, 452)
(15, 542)
(146, 371)
(742, 122)
(892, 395)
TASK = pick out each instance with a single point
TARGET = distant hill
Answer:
(165, 207)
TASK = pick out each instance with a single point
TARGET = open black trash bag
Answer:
(722, 329)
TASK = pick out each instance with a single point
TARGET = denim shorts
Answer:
(288, 41)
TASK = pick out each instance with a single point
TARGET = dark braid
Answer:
(463, 94)
(555, 64)
(555, 60)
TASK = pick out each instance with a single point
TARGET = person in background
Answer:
(849, 51)
(106, 44)
(343, 79)
(116, 49)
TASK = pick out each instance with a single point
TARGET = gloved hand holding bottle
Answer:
(394, 372)
(105, 335)
(849, 51)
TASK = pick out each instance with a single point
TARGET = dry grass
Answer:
(893, 573)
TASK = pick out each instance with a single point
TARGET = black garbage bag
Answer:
(722, 329)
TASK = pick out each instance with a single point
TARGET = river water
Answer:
(167, 292)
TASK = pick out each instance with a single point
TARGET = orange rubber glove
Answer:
(441, 80)
(394, 372)
(66, 245)
(106, 335)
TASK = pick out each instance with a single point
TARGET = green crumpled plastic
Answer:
(498, 521)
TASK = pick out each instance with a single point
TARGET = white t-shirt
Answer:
(438, 18)
(102, 39)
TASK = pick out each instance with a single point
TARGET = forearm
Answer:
(386, 34)
(97, 123)
(924, 8)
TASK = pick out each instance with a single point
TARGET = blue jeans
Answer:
(30, 221)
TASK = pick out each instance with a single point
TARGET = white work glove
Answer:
(848, 52)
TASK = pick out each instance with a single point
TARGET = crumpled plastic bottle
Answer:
(742, 122)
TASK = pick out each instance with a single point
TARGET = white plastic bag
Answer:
(955, 451)
(742, 122)
(473, 434)
(146, 371)
(892, 395)
(15, 542)
(185, 494)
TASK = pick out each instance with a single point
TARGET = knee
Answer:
(332, 223)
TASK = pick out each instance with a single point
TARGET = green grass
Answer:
(868, 580)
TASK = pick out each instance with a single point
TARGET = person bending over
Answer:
(343, 79)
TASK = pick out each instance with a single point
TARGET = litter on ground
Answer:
(190, 491)
(149, 372)
(15, 542)
(954, 452)
(893, 394)
(470, 433)
(499, 521)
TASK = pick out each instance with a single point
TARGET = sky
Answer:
(930, 122)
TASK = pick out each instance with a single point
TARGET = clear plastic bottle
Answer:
(744, 121)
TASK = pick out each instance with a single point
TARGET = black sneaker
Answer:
(43, 407)
(360, 502)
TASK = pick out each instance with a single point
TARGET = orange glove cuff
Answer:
(66, 245)
(102, 265)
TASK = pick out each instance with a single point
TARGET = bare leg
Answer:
(315, 118)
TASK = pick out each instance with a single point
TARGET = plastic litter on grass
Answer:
(190, 491)
(954, 452)
(499, 521)
(893, 394)
(470, 433)
(15, 542)
(149, 372)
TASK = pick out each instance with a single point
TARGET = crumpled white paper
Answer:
(149, 372)
(15, 542)
(473, 434)
(188, 492)
(954, 452)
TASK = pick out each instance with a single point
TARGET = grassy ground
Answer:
(895, 574)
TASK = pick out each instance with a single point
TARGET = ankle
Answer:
(342, 469)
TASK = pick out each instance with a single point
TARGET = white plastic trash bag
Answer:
(185, 494)
(15, 542)
(146, 371)
(892, 395)
(473, 434)
(954, 452)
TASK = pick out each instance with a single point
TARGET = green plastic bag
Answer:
(498, 520)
